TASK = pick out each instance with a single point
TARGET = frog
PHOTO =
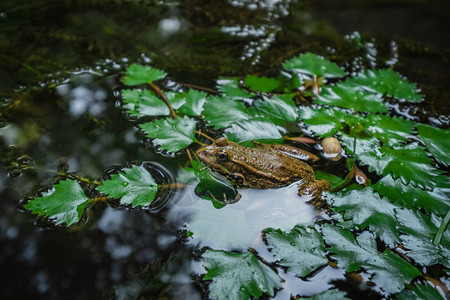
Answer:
(264, 166)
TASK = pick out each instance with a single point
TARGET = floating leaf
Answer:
(324, 121)
(388, 129)
(139, 74)
(347, 96)
(437, 141)
(238, 275)
(229, 87)
(221, 112)
(254, 130)
(420, 231)
(312, 64)
(365, 208)
(171, 134)
(280, 107)
(332, 179)
(134, 186)
(262, 84)
(390, 271)
(420, 292)
(144, 103)
(301, 250)
(194, 103)
(64, 203)
(333, 294)
(388, 82)
(434, 201)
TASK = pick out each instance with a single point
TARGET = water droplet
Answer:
(25, 161)
(125, 183)
(292, 243)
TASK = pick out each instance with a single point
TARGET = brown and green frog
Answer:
(265, 166)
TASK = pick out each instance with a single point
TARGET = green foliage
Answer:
(238, 275)
(230, 88)
(311, 64)
(390, 272)
(387, 82)
(437, 141)
(419, 232)
(171, 134)
(134, 186)
(280, 107)
(144, 103)
(220, 112)
(262, 84)
(194, 103)
(333, 294)
(301, 249)
(139, 74)
(420, 292)
(254, 130)
(64, 203)
(366, 209)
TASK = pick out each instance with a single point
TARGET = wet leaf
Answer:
(390, 272)
(301, 249)
(332, 179)
(281, 107)
(435, 201)
(254, 130)
(229, 87)
(238, 275)
(419, 231)
(333, 294)
(262, 84)
(64, 203)
(437, 141)
(171, 134)
(324, 121)
(220, 112)
(420, 292)
(311, 64)
(194, 103)
(347, 96)
(366, 209)
(139, 74)
(387, 82)
(144, 103)
(389, 129)
(134, 186)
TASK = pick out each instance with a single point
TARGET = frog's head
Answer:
(218, 156)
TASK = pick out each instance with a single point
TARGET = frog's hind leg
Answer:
(314, 188)
(290, 150)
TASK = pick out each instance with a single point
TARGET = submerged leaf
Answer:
(312, 64)
(65, 203)
(390, 272)
(262, 84)
(437, 141)
(134, 186)
(171, 134)
(388, 82)
(301, 249)
(238, 275)
(139, 74)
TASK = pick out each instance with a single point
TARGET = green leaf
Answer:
(238, 275)
(333, 294)
(389, 129)
(324, 121)
(435, 201)
(301, 250)
(312, 64)
(171, 134)
(420, 292)
(347, 96)
(332, 179)
(390, 272)
(194, 103)
(262, 84)
(134, 186)
(254, 130)
(139, 74)
(437, 141)
(420, 230)
(281, 107)
(229, 87)
(64, 203)
(144, 103)
(366, 209)
(220, 112)
(387, 82)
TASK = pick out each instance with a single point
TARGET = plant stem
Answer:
(197, 87)
(177, 185)
(441, 230)
(206, 136)
(173, 115)
(82, 179)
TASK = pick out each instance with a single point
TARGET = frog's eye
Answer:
(222, 156)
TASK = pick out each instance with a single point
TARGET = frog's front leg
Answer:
(290, 150)
(237, 178)
(314, 188)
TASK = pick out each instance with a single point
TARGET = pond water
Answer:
(60, 69)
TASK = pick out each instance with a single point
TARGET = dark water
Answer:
(82, 47)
